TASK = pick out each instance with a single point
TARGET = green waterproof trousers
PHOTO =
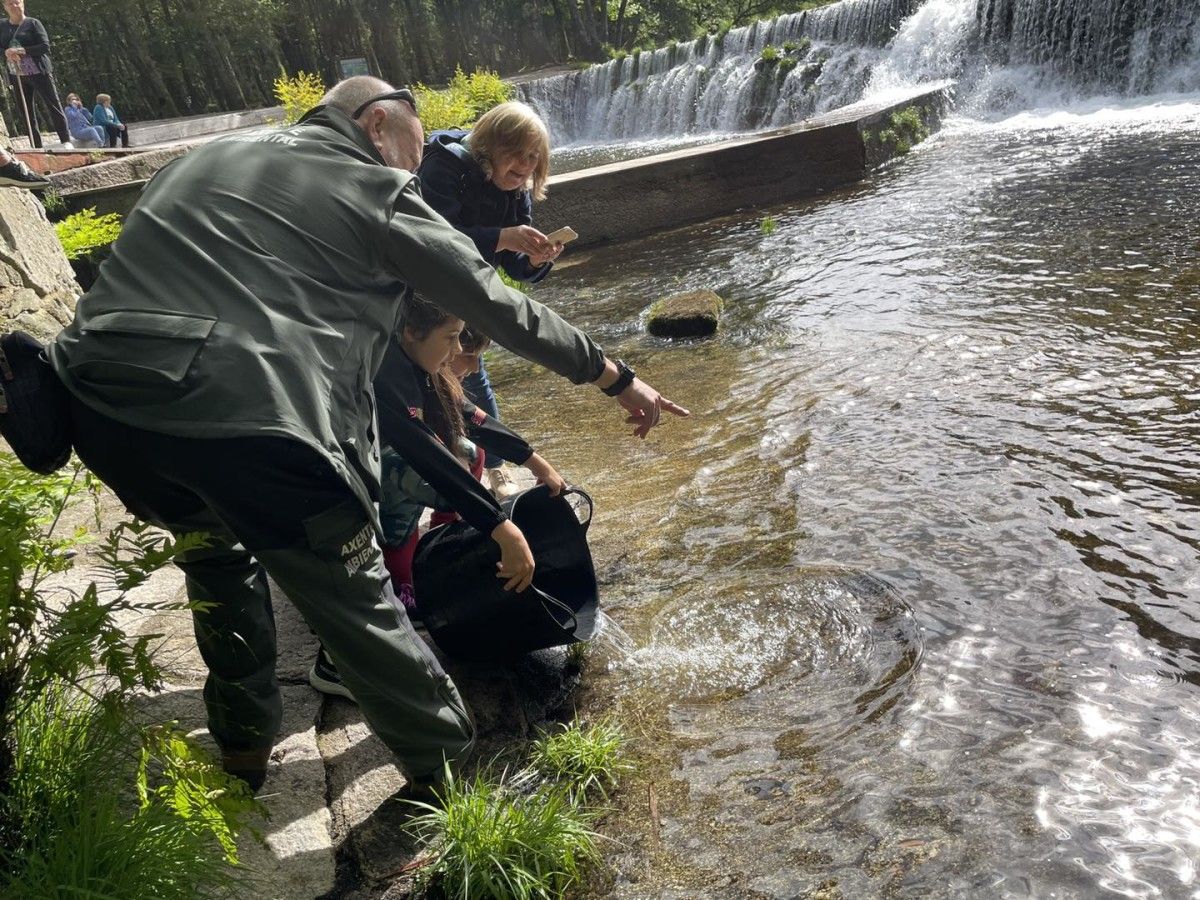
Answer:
(272, 505)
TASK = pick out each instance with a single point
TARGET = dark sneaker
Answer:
(325, 678)
(248, 765)
(17, 174)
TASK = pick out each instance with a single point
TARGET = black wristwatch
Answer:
(625, 376)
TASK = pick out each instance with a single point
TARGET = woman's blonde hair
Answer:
(100, 98)
(73, 96)
(510, 128)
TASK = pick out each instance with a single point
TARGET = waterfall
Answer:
(825, 58)
(720, 82)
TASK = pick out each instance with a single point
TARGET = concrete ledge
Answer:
(158, 131)
(626, 199)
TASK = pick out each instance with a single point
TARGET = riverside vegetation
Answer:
(93, 802)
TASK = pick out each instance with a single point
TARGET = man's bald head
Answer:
(392, 125)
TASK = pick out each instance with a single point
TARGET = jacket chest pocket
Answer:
(139, 356)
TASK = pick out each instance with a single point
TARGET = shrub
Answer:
(82, 233)
(90, 804)
(582, 759)
(769, 54)
(787, 63)
(298, 94)
(767, 225)
(464, 100)
(491, 840)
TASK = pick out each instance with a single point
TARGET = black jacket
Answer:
(30, 34)
(455, 185)
(401, 391)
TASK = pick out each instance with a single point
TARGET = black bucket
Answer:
(464, 605)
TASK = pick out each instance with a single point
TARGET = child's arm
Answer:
(494, 437)
(546, 474)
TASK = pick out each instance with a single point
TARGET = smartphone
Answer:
(564, 235)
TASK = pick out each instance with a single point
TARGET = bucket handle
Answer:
(548, 601)
(591, 507)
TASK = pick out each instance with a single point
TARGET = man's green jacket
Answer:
(256, 284)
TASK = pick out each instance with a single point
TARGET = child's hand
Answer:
(546, 474)
(516, 559)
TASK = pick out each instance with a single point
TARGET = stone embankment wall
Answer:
(627, 199)
(37, 286)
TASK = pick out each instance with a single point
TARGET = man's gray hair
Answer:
(353, 92)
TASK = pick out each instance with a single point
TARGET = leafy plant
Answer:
(464, 100)
(769, 54)
(905, 129)
(787, 63)
(83, 233)
(80, 834)
(584, 760)
(53, 203)
(71, 752)
(491, 840)
(298, 94)
(767, 225)
(797, 48)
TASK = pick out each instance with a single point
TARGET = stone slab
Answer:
(295, 858)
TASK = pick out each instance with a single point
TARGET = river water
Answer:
(913, 598)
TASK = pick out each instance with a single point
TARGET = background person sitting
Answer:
(106, 117)
(79, 123)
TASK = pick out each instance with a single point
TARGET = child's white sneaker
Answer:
(501, 483)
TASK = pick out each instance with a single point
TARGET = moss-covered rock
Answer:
(692, 314)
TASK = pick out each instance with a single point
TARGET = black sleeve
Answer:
(420, 447)
(42, 47)
(517, 265)
(492, 436)
(440, 182)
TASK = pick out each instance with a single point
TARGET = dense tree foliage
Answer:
(165, 58)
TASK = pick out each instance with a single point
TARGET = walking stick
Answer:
(25, 107)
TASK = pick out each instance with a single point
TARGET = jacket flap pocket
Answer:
(136, 355)
(159, 324)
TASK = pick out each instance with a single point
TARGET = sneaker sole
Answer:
(331, 688)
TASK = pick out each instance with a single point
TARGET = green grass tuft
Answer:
(492, 841)
(83, 834)
(585, 760)
(767, 225)
(769, 54)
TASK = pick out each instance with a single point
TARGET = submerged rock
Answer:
(692, 314)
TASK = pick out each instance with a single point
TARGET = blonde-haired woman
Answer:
(484, 182)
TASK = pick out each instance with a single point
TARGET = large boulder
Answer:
(37, 287)
(692, 314)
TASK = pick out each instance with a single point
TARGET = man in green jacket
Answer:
(220, 372)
